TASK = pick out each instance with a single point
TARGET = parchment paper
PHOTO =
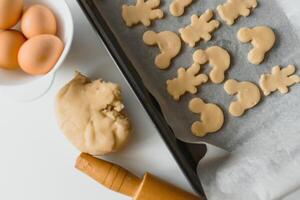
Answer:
(264, 144)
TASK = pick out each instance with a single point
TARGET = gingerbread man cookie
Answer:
(187, 81)
(280, 79)
(200, 28)
(219, 60)
(142, 12)
(233, 9)
(261, 37)
(247, 94)
(211, 117)
(177, 7)
(169, 44)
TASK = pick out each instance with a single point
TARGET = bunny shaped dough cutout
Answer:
(219, 60)
(211, 117)
(143, 12)
(247, 96)
(169, 44)
(177, 7)
(261, 37)
(233, 9)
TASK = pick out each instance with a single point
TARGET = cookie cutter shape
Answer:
(143, 12)
(219, 60)
(187, 81)
(280, 79)
(247, 96)
(200, 28)
(177, 7)
(211, 117)
(169, 44)
(261, 37)
(233, 9)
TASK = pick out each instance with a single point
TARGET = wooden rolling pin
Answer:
(120, 180)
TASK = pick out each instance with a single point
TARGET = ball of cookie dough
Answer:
(90, 114)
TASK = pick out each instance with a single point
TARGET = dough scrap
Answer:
(187, 81)
(211, 117)
(142, 12)
(219, 60)
(247, 95)
(177, 7)
(200, 28)
(261, 37)
(169, 44)
(280, 79)
(90, 114)
(233, 9)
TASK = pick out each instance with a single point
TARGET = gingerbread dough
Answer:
(169, 44)
(261, 37)
(233, 9)
(219, 60)
(142, 12)
(177, 7)
(187, 81)
(280, 79)
(211, 117)
(247, 94)
(90, 114)
(200, 28)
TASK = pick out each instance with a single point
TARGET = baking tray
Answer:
(186, 155)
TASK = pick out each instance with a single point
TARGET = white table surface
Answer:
(37, 163)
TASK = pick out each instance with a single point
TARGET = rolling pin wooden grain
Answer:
(122, 181)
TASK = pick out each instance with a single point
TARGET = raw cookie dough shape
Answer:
(247, 94)
(187, 81)
(142, 12)
(169, 44)
(280, 79)
(233, 9)
(200, 28)
(261, 37)
(219, 60)
(211, 117)
(177, 7)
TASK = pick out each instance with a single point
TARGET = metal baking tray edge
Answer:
(186, 155)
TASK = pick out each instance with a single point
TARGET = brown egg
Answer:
(10, 13)
(37, 20)
(39, 54)
(10, 43)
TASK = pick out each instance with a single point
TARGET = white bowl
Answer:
(20, 86)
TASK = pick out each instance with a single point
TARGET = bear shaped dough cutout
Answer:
(169, 44)
(247, 96)
(177, 7)
(261, 37)
(211, 117)
(233, 9)
(280, 79)
(143, 12)
(187, 81)
(219, 60)
(200, 28)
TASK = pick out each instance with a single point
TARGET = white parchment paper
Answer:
(264, 145)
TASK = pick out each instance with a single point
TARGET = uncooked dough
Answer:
(169, 44)
(233, 9)
(280, 79)
(187, 81)
(219, 60)
(200, 28)
(142, 12)
(261, 37)
(90, 114)
(211, 117)
(177, 7)
(247, 96)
